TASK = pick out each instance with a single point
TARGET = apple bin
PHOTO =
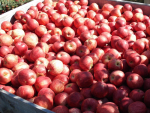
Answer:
(10, 103)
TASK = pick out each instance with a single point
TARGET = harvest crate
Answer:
(10, 103)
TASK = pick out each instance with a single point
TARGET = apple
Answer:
(122, 45)
(107, 57)
(6, 40)
(61, 108)
(79, 22)
(25, 91)
(42, 18)
(141, 69)
(128, 15)
(57, 86)
(41, 61)
(18, 14)
(118, 95)
(102, 41)
(20, 48)
(30, 39)
(111, 89)
(73, 75)
(86, 63)
(25, 18)
(66, 70)
(42, 82)
(108, 107)
(146, 99)
(45, 101)
(99, 90)
(101, 75)
(75, 99)
(89, 104)
(20, 65)
(86, 92)
(84, 79)
(9, 89)
(4, 50)
(27, 77)
(134, 81)
(115, 64)
(99, 52)
(68, 33)
(124, 104)
(94, 57)
(81, 29)
(137, 107)
(40, 30)
(16, 26)
(71, 87)
(133, 59)
(82, 51)
(44, 91)
(70, 46)
(6, 26)
(117, 77)
(61, 99)
(63, 56)
(136, 95)
(10, 60)
(55, 67)
(74, 110)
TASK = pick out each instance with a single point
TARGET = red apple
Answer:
(61, 99)
(25, 91)
(118, 95)
(57, 86)
(101, 74)
(137, 106)
(61, 108)
(71, 87)
(99, 89)
(134, 81)
(136, 95)
(55, 67)
(110, 107)
(75, 99)
(89, 104)
(84, 79)
(26, 77)
(124, 104)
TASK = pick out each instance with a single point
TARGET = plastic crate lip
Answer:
(25, 101)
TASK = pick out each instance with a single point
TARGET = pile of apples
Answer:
(69, 57)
